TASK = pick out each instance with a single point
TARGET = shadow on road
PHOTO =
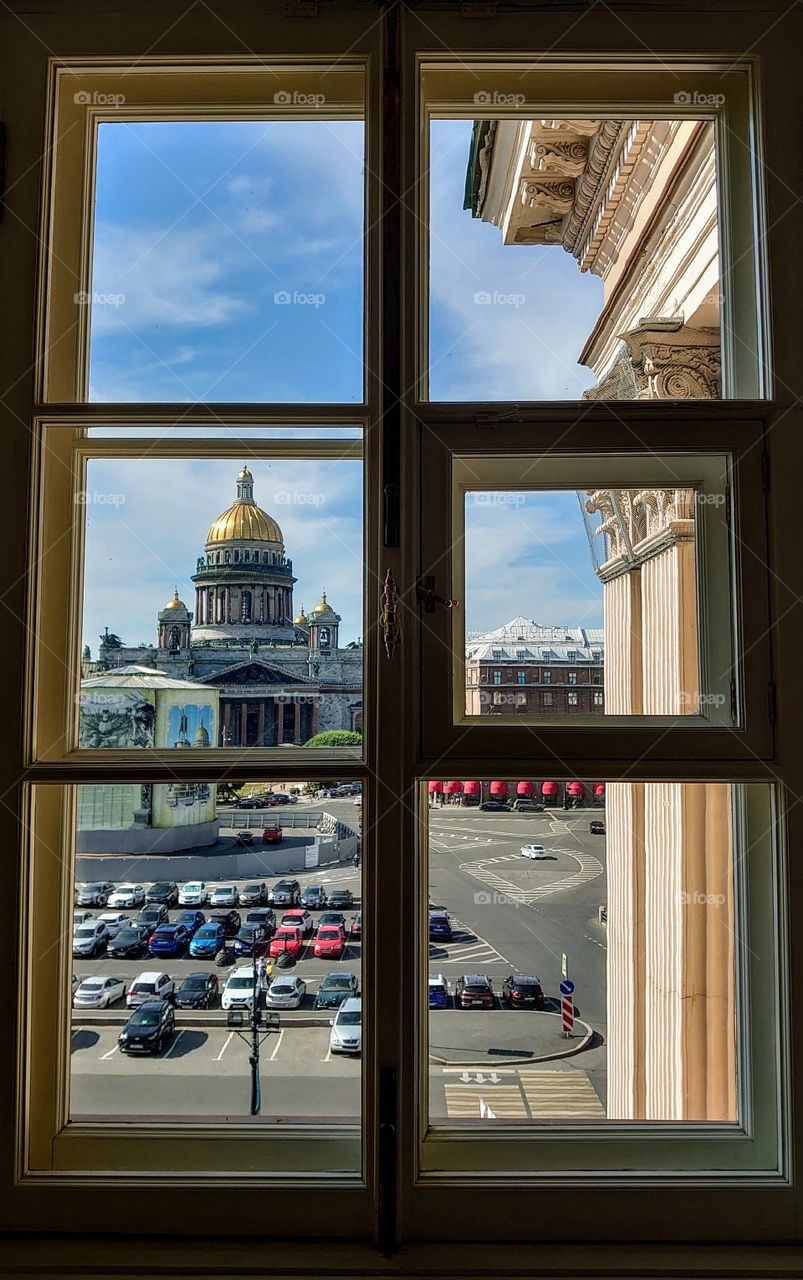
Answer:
(185, 1042)
(83, 1039)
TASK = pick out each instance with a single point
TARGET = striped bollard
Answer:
(567, 1007)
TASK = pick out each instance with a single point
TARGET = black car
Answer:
(521, 992)
(474, 991)
(597, 828)
(197, 991)
(335, 918)
(148, 1028)
(254, 894)
(251, 802)
(263, 916)
(286, 893)
(128, 943)
(251, 938)
(494, 806)
(339, 899)
(164, 891)
(228, 919)
(151, 917)
(313, 897)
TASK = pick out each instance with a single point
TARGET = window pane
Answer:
(181, 889)
(223, 270)
(573, 258)
(222, 602)
(584, 943)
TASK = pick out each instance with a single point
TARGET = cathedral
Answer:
(280, 677)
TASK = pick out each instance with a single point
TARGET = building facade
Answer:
(524, 668)
(281, 677)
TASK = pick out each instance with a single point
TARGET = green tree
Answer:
(335, 738)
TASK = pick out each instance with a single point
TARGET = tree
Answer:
(335, 738)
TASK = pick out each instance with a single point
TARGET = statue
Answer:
(254, 647)
(110, 641)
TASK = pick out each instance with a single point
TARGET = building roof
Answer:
(134, 677)
(244, 521)
(523, 638)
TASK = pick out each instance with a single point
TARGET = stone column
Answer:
(297, 720)
(261, 730)
(243, 723)
(279, 721)
(227, 723)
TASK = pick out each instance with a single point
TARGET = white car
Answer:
(114, 921)
(224, 895)
(151, 985)
(346, 1033)
(193, 894)
(238, 992)
(536, 851)
(98, 992)
(127, 895)
(89, 939)
(285, 993)
(76, 982)
(81, 917)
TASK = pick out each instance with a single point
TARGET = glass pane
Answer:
(222, 602)
(573, 258)
(184, 893)
(583, 950)
(227, 261)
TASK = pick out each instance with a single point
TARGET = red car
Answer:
(287, 938)
(330, 940)
(272, 835)
(298, 918)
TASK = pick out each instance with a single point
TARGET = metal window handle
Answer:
(426, 592)
(391, 623)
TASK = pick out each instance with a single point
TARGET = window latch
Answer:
(425, 588)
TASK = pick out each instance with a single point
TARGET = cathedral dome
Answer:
(322, 610)
(175, 603)
(302, 619)
(244, 521)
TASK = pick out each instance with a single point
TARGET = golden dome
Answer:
(175, 603)
(302, 619)
(323, 606)
(244, 522)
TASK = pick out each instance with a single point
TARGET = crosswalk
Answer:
(467, 949)
(482, 869)
(531, 1093)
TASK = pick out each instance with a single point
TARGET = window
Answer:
(497, 677)
(598, 698)
(521, 677)
(572, 698)
(547, 700)
(571, 677)
(546, 676)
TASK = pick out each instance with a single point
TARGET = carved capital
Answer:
(677, 363)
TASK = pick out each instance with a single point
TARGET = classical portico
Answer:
(262, 705)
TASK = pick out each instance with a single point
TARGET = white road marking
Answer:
(590, 868)
(176, 1039)
(278, 1045)
(328, 1057)
(104, 1056)
(229, 1039)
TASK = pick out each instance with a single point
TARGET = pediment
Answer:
(254, 672)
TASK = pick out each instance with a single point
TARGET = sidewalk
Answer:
(502, 1037)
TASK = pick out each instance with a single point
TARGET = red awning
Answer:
(435, 786)
(549, 788)
(498, 788)
(575, 788)
(599, 788)
(452, 788)
(471, 788)
(525, 788)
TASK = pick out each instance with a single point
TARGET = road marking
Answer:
(560, 1093)
(278, 1044)
(229, 1039)
(463, 1100)
(104, 1056)
(589, 868)
(328, 1057)
(176, 1039)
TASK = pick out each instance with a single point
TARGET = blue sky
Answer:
(228, 266)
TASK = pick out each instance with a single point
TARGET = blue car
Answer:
(250, 938)
(191, 920)
(169, 940)
(438, 991)
(440, 927)
(207, 941)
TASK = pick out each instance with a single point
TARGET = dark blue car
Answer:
(440, 927)
(438, 991)
(207, 941)
(191, 920)
(169, 940)
(251, 937)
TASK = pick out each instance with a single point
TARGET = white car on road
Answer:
(238, 992)
(151, 985)
(114, 921)
(224, 895)
(346, 1033)
(98, 992)
(285, 993)
(193, 894)
(127, 895)
(536, 851)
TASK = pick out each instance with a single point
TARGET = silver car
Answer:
(95, 894)
(285, 993)
(90, 939)
(225, 895)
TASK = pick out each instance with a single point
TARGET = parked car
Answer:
(90, 939)
(474, 991)
(251, 937)
(525, 805)
(285, 893)
(285, 993)
(522, 992)
(193, 894)
(207, 941)
(229, 921)
(272, 834)
(440, 926)
(76, 982)
(438, 991)
(251, 802)
(597, 827)
(341, 899)
(81, 917)
(536, 852)
(330, 941)
(265, 916)
(335, 918)
(238, 992)
(114, 921)
(223, 895)
(151, 985)
(95, 894)
(129, 944)
(148, 1028)
(151, 917)
(253, 894)
(192, 920)
(335, 988)
(164, 891)
(98, 992)
(494, 806)
(287, 939)
(346, 1033)
(127, 895)
(356, 927)
(299, 917)
(244, 838)
(313, 897)
(281, 797)
(197, 991)
(169, 940)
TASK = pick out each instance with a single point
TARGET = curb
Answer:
(568, 1052)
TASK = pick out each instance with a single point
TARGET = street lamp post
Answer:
(235, 1021)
